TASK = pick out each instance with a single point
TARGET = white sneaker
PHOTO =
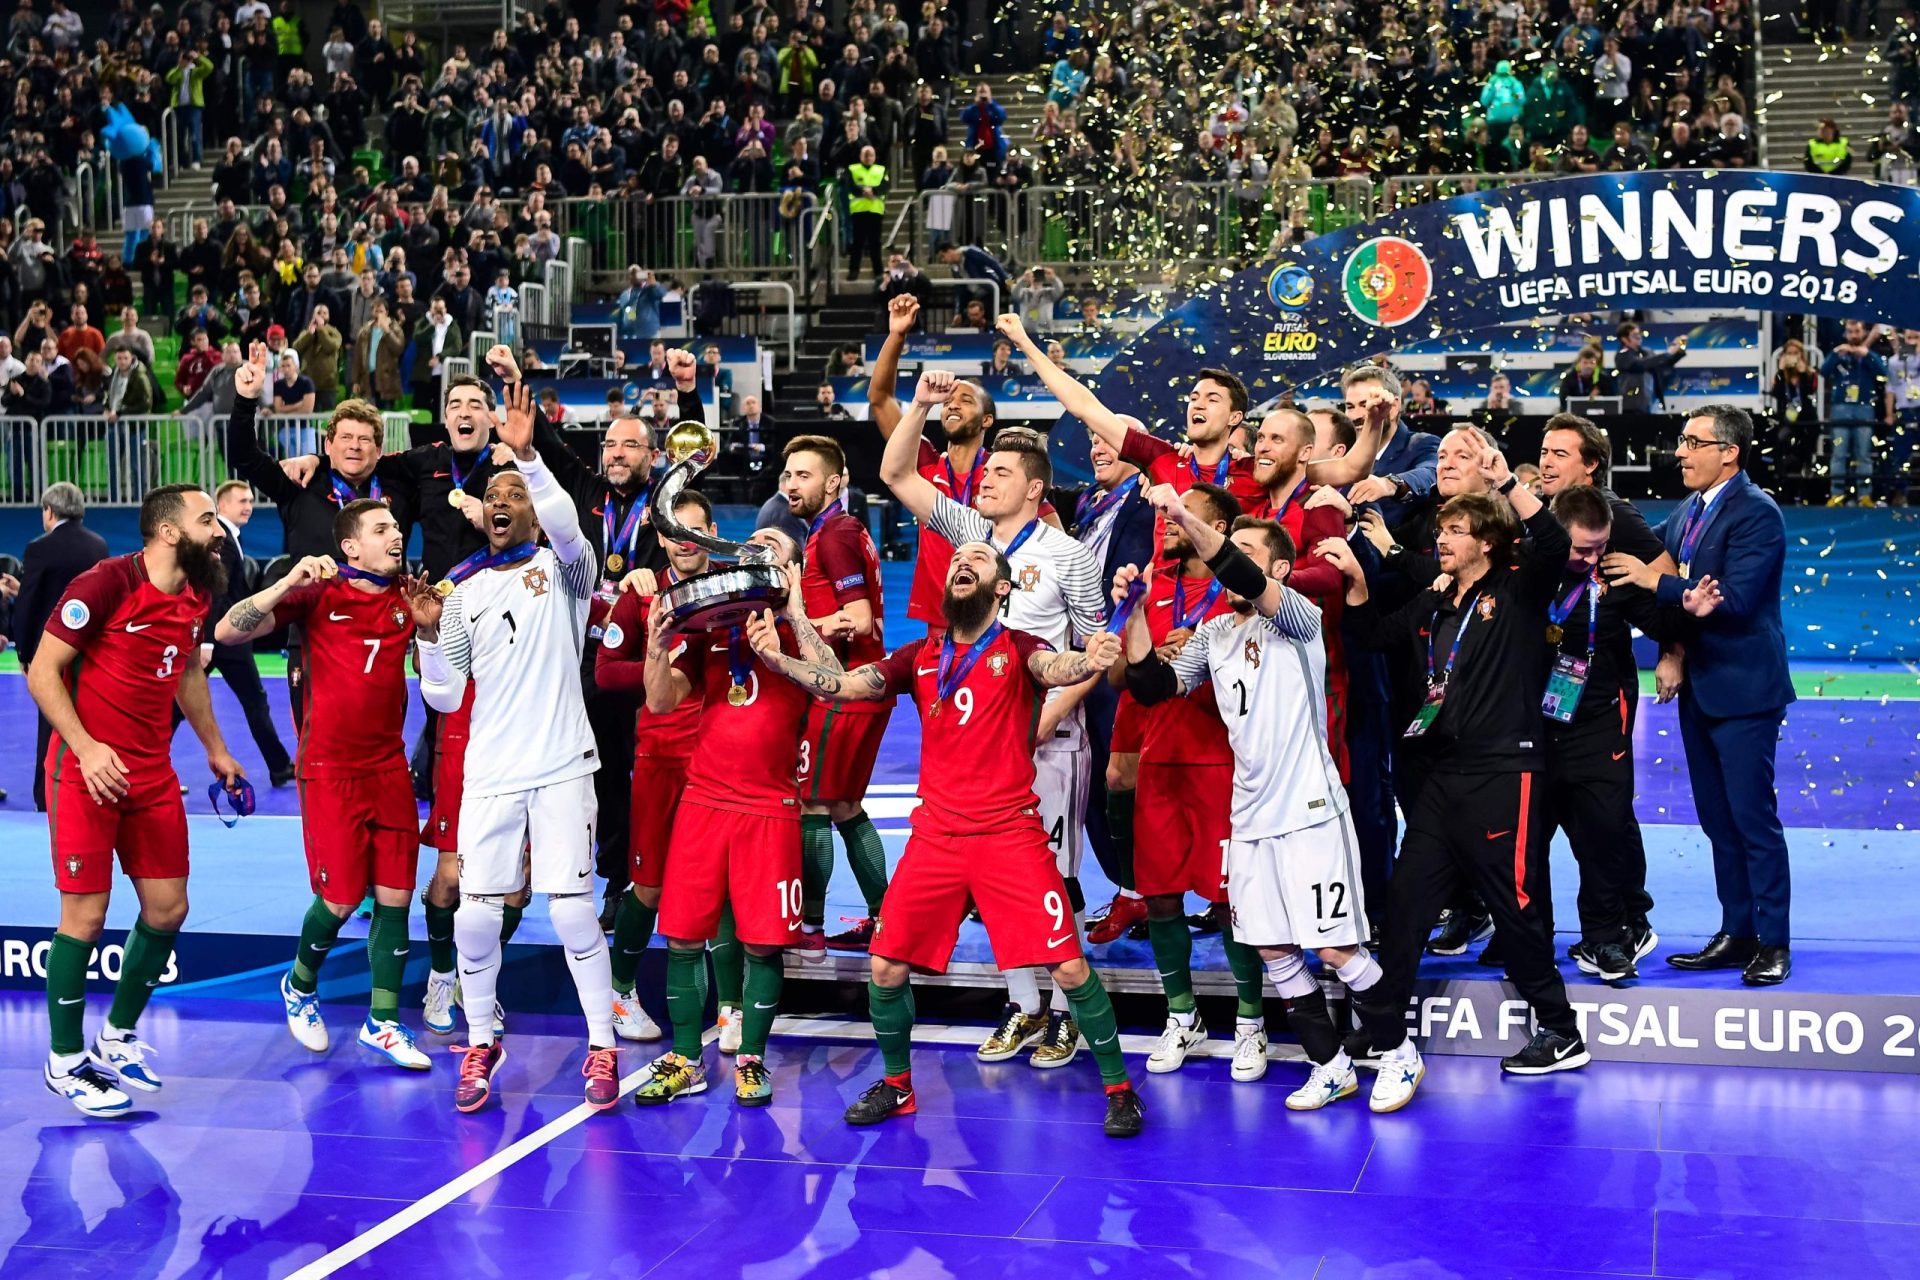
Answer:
(1329, 1082)
(630, 1021)
(437, 1012)
(1249, 1054)
(1401, 1071)
(393, 1041)
(1178, 1040)
(88, 1089)
(729, 1029)
(126, 1058)
(303, 1017)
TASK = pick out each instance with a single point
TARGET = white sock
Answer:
(577, 925)
(1249, 1026)
(476, 943)
(111, 1032)
(1185, 1019)
(1129, 893)
(1023, 989)
(1361, 972)
(64, 1063)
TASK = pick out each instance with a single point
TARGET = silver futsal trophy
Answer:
(722, 597)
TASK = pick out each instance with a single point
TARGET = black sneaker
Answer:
(1458, 931)
(281, 777)
(857, 938)
(1582, 956)
(1611, 963)
(1140, 932)
(1125, 1116)
(1547, 1052)
(883, 1101)
(1644, 940)
(1203, 923)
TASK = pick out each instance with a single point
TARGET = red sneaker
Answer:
(811, 946)
(857, 938)
(1121, 916)
(603, 1079)
(477, 1065)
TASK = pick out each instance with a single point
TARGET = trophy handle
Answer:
(692, 447)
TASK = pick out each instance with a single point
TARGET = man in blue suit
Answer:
(1736, 690)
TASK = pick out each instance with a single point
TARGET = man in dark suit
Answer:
(53, 560)
(1736, 687)
(1642, 379)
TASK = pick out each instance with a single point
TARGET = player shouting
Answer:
(977, 836)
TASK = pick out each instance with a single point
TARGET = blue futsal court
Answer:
(1673, 1155)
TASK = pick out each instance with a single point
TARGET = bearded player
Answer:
(841, 587)
(735, 842)
(517, 628)
(121, 649)
(356, 795)
(976, 833)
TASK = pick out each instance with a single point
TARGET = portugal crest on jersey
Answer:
(535, 580)
(74, 864)
(997, 664)
(1251, 648)
(1029, 577)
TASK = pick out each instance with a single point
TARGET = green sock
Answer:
(816, 865)
(868, 857)
(764, 980)
(317, 935)
(729, 975)
(67, 992)
(687, 999)
(148, 950)
(510, 922)
(1173, 957)
(1120, 831)
(891, 1009)
(1093, 1015)
(440, 938)
(387, 947)
(632, 927)
(1249, 976)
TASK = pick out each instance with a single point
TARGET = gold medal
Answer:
(936, 709)
(456, 499)
(616, 562)
(1554, 633)
(443, 588)
(737, 696)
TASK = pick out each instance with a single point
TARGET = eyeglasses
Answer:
(1687, 444)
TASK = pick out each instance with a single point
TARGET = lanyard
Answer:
(1558, 612)
(1097, 502)
(343, 492)
(629, 535)
(739, 660)
(1020, 538)
(239, 796)
(1695, 527)
(459, 477)
(1280, 512)
(950, 676)
(965, 496)
(1124, 610)
(1181, 618)
(833, 509)
(1466, 617)
(485, 559)
(381, 580)
(1219, 471)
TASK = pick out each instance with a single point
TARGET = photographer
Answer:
(1035, 295)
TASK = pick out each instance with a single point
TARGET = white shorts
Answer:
(136, 217)
(1301, 889)
(1060, 781)
(556, 821)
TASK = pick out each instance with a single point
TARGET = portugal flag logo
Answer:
(1388, 281)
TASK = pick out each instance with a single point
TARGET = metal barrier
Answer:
(735, 231)
(115, 461)
(939, 216)
(939, 314)
(793, 319)
(169, 146)
(533, 303)
(1402, 192)
(558, 294)
(21, 472)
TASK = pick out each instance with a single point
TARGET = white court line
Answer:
(811, 1028)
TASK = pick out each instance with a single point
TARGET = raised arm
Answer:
(1074, 396)
(1075, 666)
(817, 669)
(1235, 570)
(253, 617)
(445, 652)
(552, 504)
(244, 454)
(900, 462)
(882, 406)
(1356, 464)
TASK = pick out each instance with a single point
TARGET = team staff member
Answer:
(1478, 815)
(50, 564)
(1402, 479)
(1736, 688)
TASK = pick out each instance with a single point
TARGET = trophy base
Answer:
(725, 597)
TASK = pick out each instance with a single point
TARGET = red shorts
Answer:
(1182, 819)
(147, 828)
(1128, 723)
(657, 784)
(718, 857)
(838, 751)
(358, 830)
(442, 831)
(1012, 876)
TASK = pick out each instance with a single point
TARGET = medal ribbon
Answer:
(739, 657)
(1219, 471)
(1181, 618)
(629, 528)
(1695, 528)
(453, 468)
(1280, 512)
(1098, 502)
(490, 559)
(1558, 613)
(1128, 602)
(950, 677)
(381, 580)
(1466, 617)
(833, 509)
(343, 492)
(1020, 539)
(965, 496)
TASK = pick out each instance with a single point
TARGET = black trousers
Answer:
(42, 738)
(235, 662)
(1493, 831)
(1370, 791)
(1590, 797)
(612, 715)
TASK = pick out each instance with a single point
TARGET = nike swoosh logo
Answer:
(1161, 604)
(1329, 928)
(1619, 755)
(72, 1000)
(794, 927)
(1495, 835)
(1562, 1052)
(338, 617)
(153, 982)
(400, 951)
(629, 951)
(758, 1005)
(1163, 973)
(1098, 1044)
(471, 972)
(924, 671)
(443, 475)
(1054, 942)
(135, 628)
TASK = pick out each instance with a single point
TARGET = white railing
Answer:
(781, 286)
(170, 147)
(558, 294)
(533, 302)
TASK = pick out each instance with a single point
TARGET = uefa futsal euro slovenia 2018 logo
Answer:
(1290, 286)
(1388, 281)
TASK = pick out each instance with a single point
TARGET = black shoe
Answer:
(3, 795)
(1203, 923)
(883, 1101)
(1492, 955)
(1769, 967)
(1458, 931)
(1359, 1047)
(1610, 962)
(1547, 1052)
(1644, 939)
(1124, 1113)
(858, 938)
(608, 911)
(1140, 932)
(281, 777)
(1722, 951)
(1582, 956)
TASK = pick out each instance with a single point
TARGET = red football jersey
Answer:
(134, 641)
(1183, 730)
(976, 750)
(353, 677)
(1163, 464)
(621, 666)
(747, 753)
(842, 565)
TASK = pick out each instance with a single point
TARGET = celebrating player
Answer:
(841, 586)
(517, 629)
(1292, 871)
(976, 833)
(1056, 593)
(123, 647)
(356, 799)
(736, 840)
